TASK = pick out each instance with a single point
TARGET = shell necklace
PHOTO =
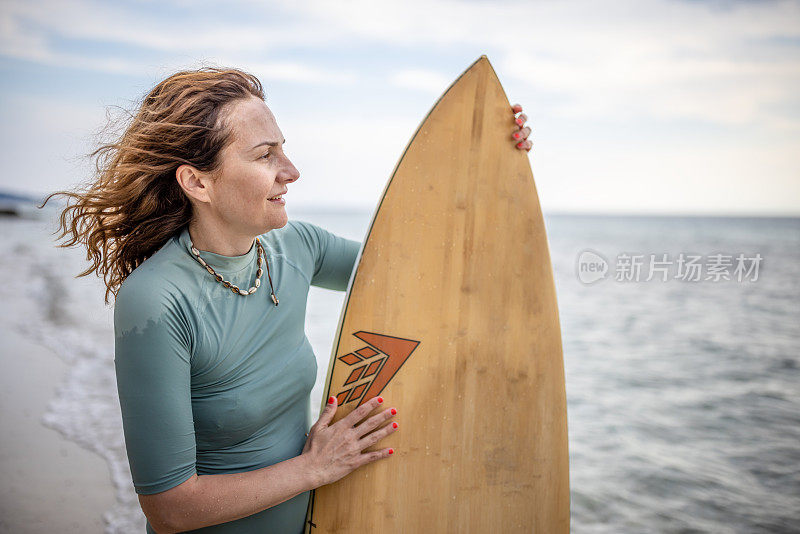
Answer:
(262, 257)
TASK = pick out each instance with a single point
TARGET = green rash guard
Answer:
(211, 382)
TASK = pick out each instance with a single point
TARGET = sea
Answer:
(681, 340)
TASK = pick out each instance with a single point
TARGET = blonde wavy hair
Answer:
(133, 204)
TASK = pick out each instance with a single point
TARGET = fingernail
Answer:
(391, 451)
(380, 400)
(394, 412)
(331, 400)
(394, 425)
(516, 136)
(518, 121)
(519, 145)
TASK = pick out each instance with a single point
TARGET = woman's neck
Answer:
(206, 235)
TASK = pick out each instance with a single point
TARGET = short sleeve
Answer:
(152, 362)
(334, 256)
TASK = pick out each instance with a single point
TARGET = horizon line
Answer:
(601, 212)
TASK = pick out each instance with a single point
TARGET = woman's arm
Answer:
(207, 500)
(332, 451)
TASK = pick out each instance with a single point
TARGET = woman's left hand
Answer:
(520, 136)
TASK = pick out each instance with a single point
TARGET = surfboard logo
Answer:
(374, 366)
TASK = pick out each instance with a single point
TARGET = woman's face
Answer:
(253, 169)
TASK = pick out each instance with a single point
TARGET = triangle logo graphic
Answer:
(374, 366)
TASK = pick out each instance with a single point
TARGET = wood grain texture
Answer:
(457, 260)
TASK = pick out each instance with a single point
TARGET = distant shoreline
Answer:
(26, 204)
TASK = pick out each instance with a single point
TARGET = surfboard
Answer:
(451, 316)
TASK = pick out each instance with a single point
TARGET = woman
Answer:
(213, 366)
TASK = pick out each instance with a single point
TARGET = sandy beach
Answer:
(49, 484)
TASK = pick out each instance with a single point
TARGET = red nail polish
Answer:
(394, 425)
(391, 451)
(394, 412)
(380, 400)
(519, 122)
(331, 400)
(516, 136)
(519, 145)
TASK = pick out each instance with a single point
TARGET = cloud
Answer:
(192, 30)
(293, 71)
(731, 64)
(423, 80)
(734, 64)
(44, 149)
(29, 32)
(15, 42)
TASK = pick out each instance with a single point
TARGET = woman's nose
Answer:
(289, 172)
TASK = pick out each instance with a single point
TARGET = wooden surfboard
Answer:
(451, 316)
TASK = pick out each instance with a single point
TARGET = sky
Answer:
(636, 106)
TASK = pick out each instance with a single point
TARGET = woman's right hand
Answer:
(335, 450)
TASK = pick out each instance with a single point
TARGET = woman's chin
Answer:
(277, 221)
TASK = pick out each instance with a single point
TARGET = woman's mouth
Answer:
(277, 199)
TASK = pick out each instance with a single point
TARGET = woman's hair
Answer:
(133, 204)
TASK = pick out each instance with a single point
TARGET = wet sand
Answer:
(48, 484)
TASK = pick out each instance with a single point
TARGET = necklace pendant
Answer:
(260, 256)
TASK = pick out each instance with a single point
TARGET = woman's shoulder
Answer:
(163, 279)
(296, 236)
(285, 241)
(151, 305)
(287, 235)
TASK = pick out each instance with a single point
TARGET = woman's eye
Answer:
(265, 155)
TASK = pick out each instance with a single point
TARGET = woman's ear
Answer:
(193, 182)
